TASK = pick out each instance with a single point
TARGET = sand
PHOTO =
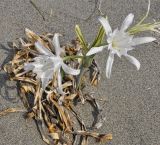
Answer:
(131, 98)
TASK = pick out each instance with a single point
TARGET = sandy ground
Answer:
(132, 101)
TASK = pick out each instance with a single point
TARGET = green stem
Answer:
(79, 78)
(72, 57)
(87, 61)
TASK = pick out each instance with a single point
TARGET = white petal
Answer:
(127, 22)
(28, 66)
(57, 61)
(133, 60)
(46, 77)
(109, 64)
(115, 51)
(42, 49)
(60, 89)
(106, 25)
(56, 44)
(95, 50)
(70, 70)
(142, 40)
(113, 35)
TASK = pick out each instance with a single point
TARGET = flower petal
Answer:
(115, 51)
(133, 60)
(142, 40)
(56, 44)
(59, 78)
(46, 77)
(127, 22)
(110, 37)
(109, 64)
(28, 67)
(70, 70)
(56, 61)
(95, 50)
(42, 49)
(106, 25)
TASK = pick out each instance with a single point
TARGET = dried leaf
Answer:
(104, 138)
(10, 110)
(29, 115)
(30, 34)
(70, 97)
(52, 111)
(54, 135)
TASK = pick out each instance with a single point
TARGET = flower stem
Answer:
(79, 77)
(72, 57)
(86, 62)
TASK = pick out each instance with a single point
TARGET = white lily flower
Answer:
(46, 64)
(120, 42)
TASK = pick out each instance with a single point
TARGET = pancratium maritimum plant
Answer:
(48, 72)
(120, 41)
(47, 64)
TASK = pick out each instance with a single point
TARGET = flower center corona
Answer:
(115, 45)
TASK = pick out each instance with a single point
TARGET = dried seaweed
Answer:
(51, 111)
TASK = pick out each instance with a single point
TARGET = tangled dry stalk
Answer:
(53, 113)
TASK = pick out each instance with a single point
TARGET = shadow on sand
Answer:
(8, 89)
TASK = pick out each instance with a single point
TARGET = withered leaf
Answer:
(10, 110)
(53, 117)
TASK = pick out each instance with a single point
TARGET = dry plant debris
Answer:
(53, 112)
(10, 110)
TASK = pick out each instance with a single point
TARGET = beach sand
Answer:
(131, 99)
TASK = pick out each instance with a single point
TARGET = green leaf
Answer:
(97, 42)
(99, 38)
(81, 38)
